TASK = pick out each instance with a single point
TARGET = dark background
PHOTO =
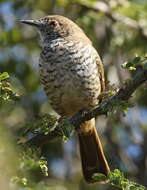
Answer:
(118, 29)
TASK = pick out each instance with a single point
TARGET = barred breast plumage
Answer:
(69, 73)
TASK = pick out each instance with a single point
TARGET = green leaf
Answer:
(3, 76)
(66, 128)
(136, 60)
(132, 68)
(99, 177)
(43, 166)
(116, 178)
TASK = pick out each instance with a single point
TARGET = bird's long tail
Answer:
(92, 155)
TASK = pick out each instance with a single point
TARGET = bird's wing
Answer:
(101, 73)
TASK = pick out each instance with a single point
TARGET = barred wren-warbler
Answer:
(72, 74)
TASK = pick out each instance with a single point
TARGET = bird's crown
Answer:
(55, 26)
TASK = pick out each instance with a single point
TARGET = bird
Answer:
(72, 75)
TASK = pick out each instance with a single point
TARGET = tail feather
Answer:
(92, 155)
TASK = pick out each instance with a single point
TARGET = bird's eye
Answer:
(53, 23)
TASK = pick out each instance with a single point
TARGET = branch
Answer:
(116, 17)
(66, 125)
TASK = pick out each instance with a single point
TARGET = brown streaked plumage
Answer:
(72, 75)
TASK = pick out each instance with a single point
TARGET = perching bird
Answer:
(72, 74)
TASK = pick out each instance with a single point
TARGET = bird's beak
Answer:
(36, 23)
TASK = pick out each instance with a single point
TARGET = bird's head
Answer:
(56, 26)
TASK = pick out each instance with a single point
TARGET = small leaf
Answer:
(24, 181)
(3, 76)
(131, 65)
(136, 60)
(43, 166)
(66, 128)
(132, 68)
(65, 139)
(99, 177)
(116, 178)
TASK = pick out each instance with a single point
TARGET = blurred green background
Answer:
(118, 29)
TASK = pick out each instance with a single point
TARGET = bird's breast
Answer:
(70, 76)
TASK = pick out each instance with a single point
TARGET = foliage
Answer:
(132, 65)
(118, 30)
(116, 178)
(6, 92)
(31, 162)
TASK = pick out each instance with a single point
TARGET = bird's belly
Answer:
(73, 99)
(69, 92)
(71, 78)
